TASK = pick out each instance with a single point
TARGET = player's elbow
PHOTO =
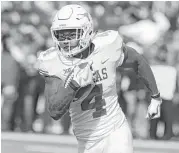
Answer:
(55, 115)
(57, 111)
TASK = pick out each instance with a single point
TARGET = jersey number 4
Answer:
(95, 101)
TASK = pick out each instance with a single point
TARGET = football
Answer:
(58, 97)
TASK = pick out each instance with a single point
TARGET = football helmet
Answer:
(72, 29)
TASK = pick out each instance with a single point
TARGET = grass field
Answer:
(38, 143)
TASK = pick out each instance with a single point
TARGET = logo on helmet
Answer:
(82, 16)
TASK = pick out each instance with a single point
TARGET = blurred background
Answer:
(152, 28)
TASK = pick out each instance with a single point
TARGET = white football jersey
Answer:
(96, 116)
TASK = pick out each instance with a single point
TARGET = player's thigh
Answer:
(92, 147)
(120, 141)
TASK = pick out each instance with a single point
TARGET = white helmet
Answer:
(75, 18)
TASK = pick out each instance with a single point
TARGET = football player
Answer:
(80, 75)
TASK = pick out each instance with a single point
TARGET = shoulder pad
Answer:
(109, 44)
(48, 54)
(107, 38)
(43, 58)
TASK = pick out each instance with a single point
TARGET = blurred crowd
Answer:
(152, 28)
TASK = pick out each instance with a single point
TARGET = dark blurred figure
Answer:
(9, 83)
(121, 91)
(36, 86)
(31, 86)
(166, 78)
(122, 101)
(131, 94)
(18, 107)
(66, 122)
(35, 90)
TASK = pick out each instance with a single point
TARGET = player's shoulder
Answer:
(48, 54)
(108, 37)
(44, 59)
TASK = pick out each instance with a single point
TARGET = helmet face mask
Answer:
(68, 39)
(72, 30)
(67, 34)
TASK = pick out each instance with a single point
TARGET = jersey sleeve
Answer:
(116, 49)
(41, 65)
(120, 56)
(111, 43)
(44, 62)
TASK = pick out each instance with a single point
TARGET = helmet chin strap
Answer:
(86, 52)
(78, 47)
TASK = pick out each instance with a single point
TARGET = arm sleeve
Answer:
(134, 60)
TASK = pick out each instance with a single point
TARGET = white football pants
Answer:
(119, 141)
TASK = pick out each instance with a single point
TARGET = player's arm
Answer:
(59, 91)
(134, 60)
(58, 98)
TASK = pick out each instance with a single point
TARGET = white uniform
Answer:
(99, 115)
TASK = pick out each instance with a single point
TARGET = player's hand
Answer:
(154, 108)
(81, 75)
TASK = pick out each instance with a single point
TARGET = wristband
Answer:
(74, 85)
